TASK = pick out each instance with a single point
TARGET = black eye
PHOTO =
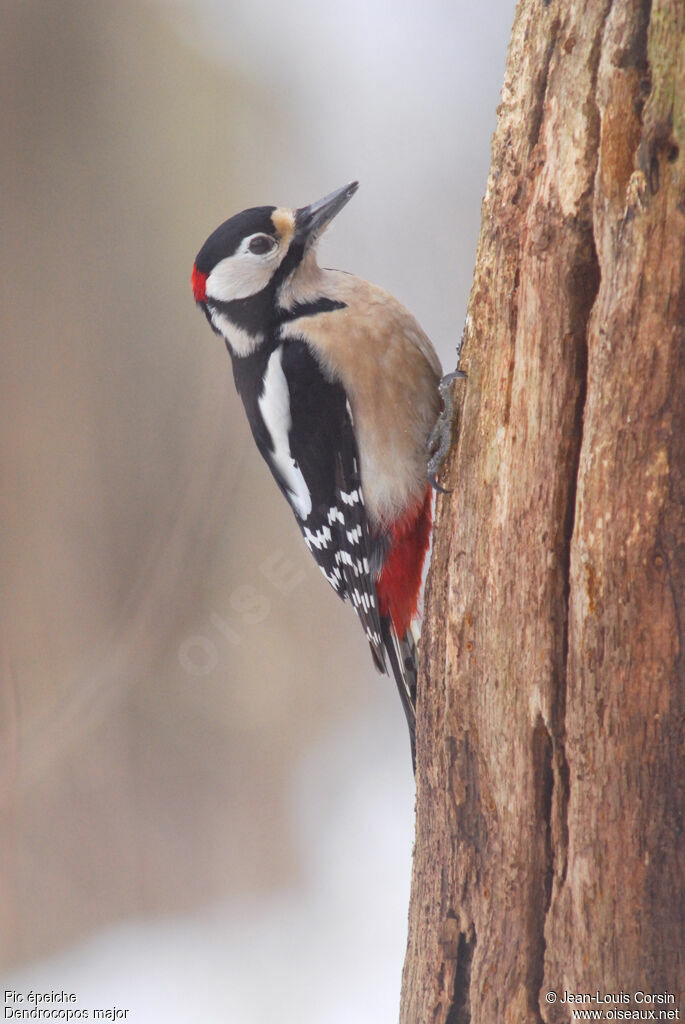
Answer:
(261, 244)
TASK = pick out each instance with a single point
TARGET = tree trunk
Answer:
(549, 781)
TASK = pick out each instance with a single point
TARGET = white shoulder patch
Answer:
(274, 405)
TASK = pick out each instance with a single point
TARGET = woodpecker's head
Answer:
(245, 271)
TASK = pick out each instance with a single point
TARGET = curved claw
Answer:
(441, 436)
(450, 377)
(433, 481)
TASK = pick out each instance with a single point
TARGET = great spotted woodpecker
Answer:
(340, 387)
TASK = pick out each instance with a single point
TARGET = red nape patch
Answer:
(400, 581)
(198, 282)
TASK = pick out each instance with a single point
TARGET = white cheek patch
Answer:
(274, 405)
(242, 342)
(239, 276)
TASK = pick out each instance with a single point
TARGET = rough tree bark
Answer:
(550, 790)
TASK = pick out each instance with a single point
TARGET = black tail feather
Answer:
(403, 657)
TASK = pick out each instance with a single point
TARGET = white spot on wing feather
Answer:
(320, 539)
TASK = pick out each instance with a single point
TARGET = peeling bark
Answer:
(549, 801)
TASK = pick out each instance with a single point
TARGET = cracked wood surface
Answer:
(548, 789)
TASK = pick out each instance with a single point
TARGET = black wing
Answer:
(316, 466)
(323, 446)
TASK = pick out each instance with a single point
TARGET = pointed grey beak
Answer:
(310, 221)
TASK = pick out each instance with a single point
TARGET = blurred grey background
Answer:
(206, 801)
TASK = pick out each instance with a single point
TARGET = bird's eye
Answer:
(261, 244)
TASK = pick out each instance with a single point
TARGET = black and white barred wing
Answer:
(355, 549)
(324, 488)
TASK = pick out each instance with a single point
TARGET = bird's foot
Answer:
(440, 439)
